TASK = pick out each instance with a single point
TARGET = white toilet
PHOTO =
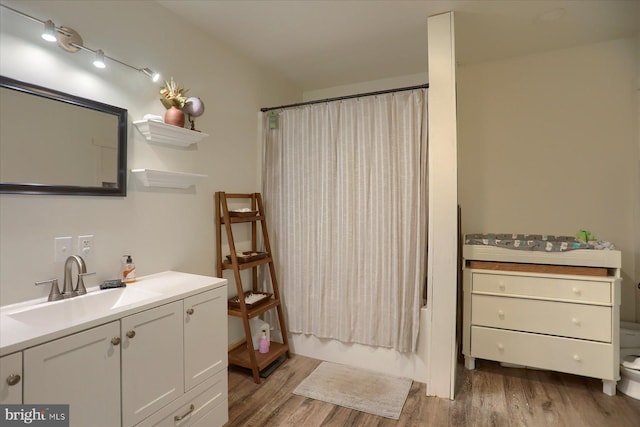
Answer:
(629, 383)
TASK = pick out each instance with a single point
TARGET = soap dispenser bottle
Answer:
(128, 270)
(263, 345)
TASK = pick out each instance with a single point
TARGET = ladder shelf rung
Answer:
(239, 219)
(245, 265)
(240, 355)
(253, 311)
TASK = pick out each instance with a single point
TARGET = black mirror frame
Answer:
(33, 188)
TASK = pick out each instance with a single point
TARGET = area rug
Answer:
(359, 389)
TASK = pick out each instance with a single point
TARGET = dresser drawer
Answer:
(592, 322)
(573, 356)
(543, 287)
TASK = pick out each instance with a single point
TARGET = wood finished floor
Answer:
(489, 396)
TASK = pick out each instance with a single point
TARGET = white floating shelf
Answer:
(163, 133)
(167, 179)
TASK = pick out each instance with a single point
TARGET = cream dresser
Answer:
(549, 310)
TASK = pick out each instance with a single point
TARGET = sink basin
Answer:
(91, 305)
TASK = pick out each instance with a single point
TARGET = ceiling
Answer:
(325, 43)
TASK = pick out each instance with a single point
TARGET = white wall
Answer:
(442, 267)
(162, 228)
(366, 87)
(548, 143)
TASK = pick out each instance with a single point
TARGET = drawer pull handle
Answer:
(576, 290)
(183, 416)
(577, 358)
(501, 286)
(190, 311)
(575, 321)
(115, 340)
(13, 379)
(131, 334)
(501, 314)
(500, 346)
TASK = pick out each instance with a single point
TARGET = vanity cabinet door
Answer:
(11, 377)
(205, 336)
(152, 361)
(82, 370)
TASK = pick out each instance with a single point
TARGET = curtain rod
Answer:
(340, 98)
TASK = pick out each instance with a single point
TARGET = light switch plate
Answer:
(61, 248)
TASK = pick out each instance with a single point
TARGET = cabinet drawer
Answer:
(573, 356)
(543, 287)
(209, 400)
(592, 322)
(216, 417)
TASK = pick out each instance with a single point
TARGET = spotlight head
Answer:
(99, 61)
(49, 33)
(151, 74)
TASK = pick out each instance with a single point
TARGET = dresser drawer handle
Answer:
(575, 321)
(501, 314)
(501, 286)
(500, 346)
(577, 358)
(576, 290)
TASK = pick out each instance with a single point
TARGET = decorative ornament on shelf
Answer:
(173, 99)
(193, 107)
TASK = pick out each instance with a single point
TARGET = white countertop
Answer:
(157, 289)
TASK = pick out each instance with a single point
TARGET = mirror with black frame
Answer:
(56, 143)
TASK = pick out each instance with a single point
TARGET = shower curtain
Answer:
(345, 191)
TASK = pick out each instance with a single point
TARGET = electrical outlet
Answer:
(61, 248)
(85, 245)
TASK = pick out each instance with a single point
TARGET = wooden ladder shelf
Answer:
(244, 354)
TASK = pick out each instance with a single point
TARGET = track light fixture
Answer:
(69, 40)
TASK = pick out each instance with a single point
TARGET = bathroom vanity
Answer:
(151, 354)
(548, 310)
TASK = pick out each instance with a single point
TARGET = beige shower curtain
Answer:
(345, 190)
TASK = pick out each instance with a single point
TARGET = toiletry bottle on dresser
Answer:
(128, 270)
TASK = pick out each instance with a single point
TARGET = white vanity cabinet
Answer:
(566, 322)
(161, 362)
(11, 376)
(82, 370)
